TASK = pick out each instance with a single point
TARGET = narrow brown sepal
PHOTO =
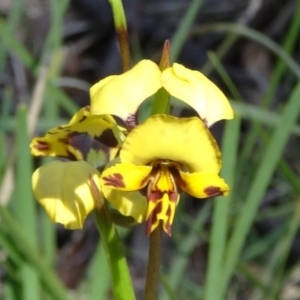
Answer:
(165, 56)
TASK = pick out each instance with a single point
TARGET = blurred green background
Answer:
(244, 246)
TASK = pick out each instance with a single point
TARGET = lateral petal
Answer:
(202, 185)
(63, 189)
(125, 177)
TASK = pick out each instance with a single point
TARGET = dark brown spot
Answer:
(71, 156)
(176, 175)
(154, 195)
(152, 219)
(213, 191)
(52, 132)
(42, 146)
(83, 142)
(82, 119)
(130, 122)
(107, 138)
(173, 196)
(115, 180)
(205, 122)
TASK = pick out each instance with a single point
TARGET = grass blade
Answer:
(181, 33)
(221, 209)
(261, 181)
(25, 205)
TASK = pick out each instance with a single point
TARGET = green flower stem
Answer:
(121, 280)
(153, 264)
(25, 248)
(121, 29)
(161, 103)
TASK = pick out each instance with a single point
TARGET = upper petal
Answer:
(122, 95)
(197, 91)
(183, 140)
(63, 189)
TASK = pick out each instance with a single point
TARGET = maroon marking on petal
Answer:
(82, 119)
(130, 122)
(176, 175)
(154, 195)
(115, 180)
(152, 219)
(213, 191)
(87, 108)
(42, 146)
(158, 208)
(107, 138)
(70, 156)
(173, 196)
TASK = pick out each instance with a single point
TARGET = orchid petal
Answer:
(132, 204)
(75, 140)
(122, 95)
(202, 185)
(162, 199)
(198, 91)
(126, 177)
(186, 141)
(63, 189)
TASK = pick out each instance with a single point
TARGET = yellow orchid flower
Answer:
(164, 156)
(121, 95)
(88, 143)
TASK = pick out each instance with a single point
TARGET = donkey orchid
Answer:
(166, 155)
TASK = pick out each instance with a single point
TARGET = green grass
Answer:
(254, 162)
